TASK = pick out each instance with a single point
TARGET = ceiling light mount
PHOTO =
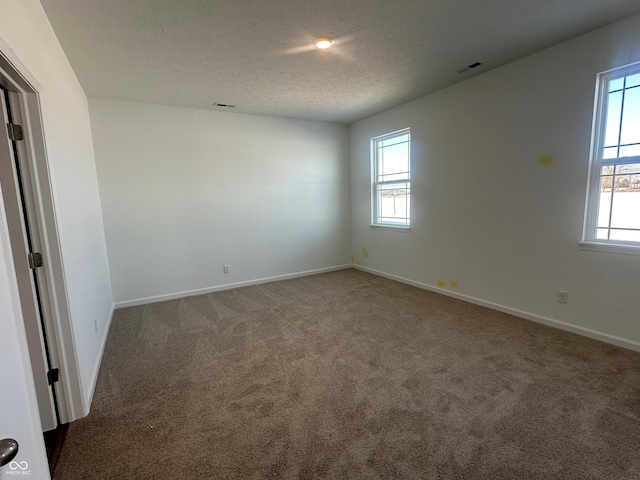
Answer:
(324, 42)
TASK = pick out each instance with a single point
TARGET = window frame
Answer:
(375, 183)
(597, 162)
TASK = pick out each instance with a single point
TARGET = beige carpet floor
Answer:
(348, 375)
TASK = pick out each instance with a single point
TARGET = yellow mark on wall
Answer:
(454, 283)
(442, 283)
(545, 160)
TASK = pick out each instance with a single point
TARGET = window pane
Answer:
(602, 234)
(607, 170)
(630, 132)
(394, 177)
(393, 202)
(606, 182)
(625, 235)
(611, 152)
(393, 189)
(380, 163)
(633, 80)
(395, 159)
(622, 183)
(604, 206)
(612, 128)
(627, 168)
(394, 140)
(616, 84)
(626, 207)
(630, 151)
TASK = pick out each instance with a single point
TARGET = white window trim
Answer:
(385, 226)
(596, 162)
(620, 248)
(374, 182)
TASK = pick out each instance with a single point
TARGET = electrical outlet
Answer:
(365, 252)
(225, 268)
(563, 297)
(95, 325)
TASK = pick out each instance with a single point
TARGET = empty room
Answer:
(245, 239)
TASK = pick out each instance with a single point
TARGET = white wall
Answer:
(485, 212)
(185, 191)
(26, 29)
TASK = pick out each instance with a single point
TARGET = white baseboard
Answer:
(586, 332)
(227, 286)
(96, 368)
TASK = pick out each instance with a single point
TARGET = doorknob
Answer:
(8, 450)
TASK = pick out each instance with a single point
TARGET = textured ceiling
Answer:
(258, 54)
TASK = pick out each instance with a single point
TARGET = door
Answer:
(24, 238)
(19, 417)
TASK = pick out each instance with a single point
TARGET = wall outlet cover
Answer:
(563, 296)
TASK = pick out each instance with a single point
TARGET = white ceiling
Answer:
(258, 54)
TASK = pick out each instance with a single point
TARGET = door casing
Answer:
(25, 106)
(25, 238)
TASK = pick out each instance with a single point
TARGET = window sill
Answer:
(398, 228)
(620, 248)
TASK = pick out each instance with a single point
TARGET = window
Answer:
(391, 179)
(613, 201)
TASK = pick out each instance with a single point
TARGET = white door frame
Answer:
(25, 100)
(18, 205)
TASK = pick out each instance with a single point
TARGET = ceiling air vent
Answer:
(223, 105)
(469, 67)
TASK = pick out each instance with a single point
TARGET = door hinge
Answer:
(53, 375)
(15, 132)
(35, 260)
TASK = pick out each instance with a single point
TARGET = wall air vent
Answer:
(223, 105)
(469, 67)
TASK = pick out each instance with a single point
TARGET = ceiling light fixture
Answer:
(324, 42)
